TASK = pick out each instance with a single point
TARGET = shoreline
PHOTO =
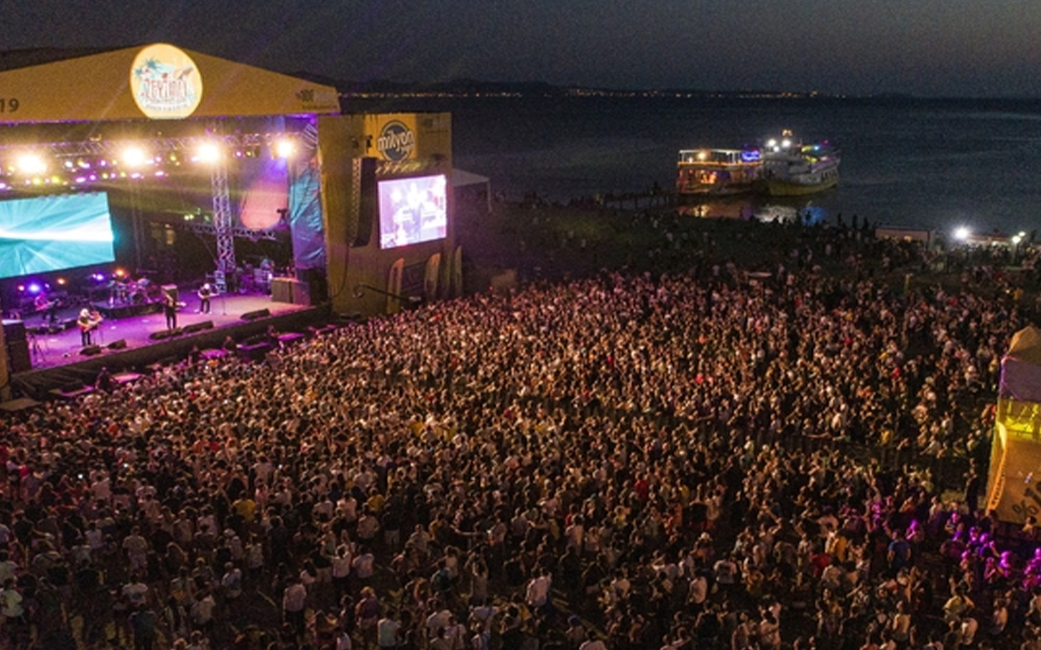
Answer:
(548, 241)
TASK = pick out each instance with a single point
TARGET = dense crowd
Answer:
(627, 461)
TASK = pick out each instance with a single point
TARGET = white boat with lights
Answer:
(717, 172)
(792, 168)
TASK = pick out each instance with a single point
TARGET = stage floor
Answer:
(51, 349)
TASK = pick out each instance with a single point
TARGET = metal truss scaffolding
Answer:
(223, 224)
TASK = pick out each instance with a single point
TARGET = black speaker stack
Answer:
(19, 358)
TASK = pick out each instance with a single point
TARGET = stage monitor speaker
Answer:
(91, 350)
(254, 315)
(14, 330)
(18, 356)
(171, 290)
(121, 344)
(302, 293)
(164, 334)
(198, 327)
(282, 290)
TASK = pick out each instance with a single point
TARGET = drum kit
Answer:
(132, 292)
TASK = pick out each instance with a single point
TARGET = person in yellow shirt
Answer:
(246, 508)
(375, 501)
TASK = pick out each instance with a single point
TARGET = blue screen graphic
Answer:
(52, 233)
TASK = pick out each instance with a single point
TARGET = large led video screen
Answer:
(413, 210)
(52, 233)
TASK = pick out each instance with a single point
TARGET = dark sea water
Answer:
(919, 163)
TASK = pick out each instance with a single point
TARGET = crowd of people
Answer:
(621, 462)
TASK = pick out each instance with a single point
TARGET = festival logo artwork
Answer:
(165, 82)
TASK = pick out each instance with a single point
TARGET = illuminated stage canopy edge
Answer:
(171, 83)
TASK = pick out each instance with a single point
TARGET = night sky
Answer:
(954, 48)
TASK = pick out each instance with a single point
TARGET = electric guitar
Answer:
(91, 322)
(44, 305)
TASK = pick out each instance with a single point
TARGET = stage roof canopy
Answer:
(152, 82)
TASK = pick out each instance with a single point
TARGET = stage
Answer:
(60, 362)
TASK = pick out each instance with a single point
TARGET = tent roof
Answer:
(1026, 345)
(144, 82)
(15, 59)
(463, 178)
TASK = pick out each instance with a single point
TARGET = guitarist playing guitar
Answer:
(88, 321)
(48, 308)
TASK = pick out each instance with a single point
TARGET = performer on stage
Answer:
(88, 321)
(48, 307)
(170, 309)
(205, 293)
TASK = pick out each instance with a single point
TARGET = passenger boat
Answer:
(717, 172)
(791, 168)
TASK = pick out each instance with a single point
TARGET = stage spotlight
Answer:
(31, 163)
(207, 152)
(34, 288)
(134, 156)
(284, 148)
(61, 281)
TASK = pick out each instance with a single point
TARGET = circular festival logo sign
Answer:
(165, 82)
(396, 141)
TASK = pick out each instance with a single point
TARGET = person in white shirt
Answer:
(593, 644)
(294, 598)
(438, 620)
(537, 595)
(364, 565)
(341, 569)
(344, 641)
(388, 632)
(135, 592)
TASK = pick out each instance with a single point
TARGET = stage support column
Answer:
(222, 220)
(5, 373)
